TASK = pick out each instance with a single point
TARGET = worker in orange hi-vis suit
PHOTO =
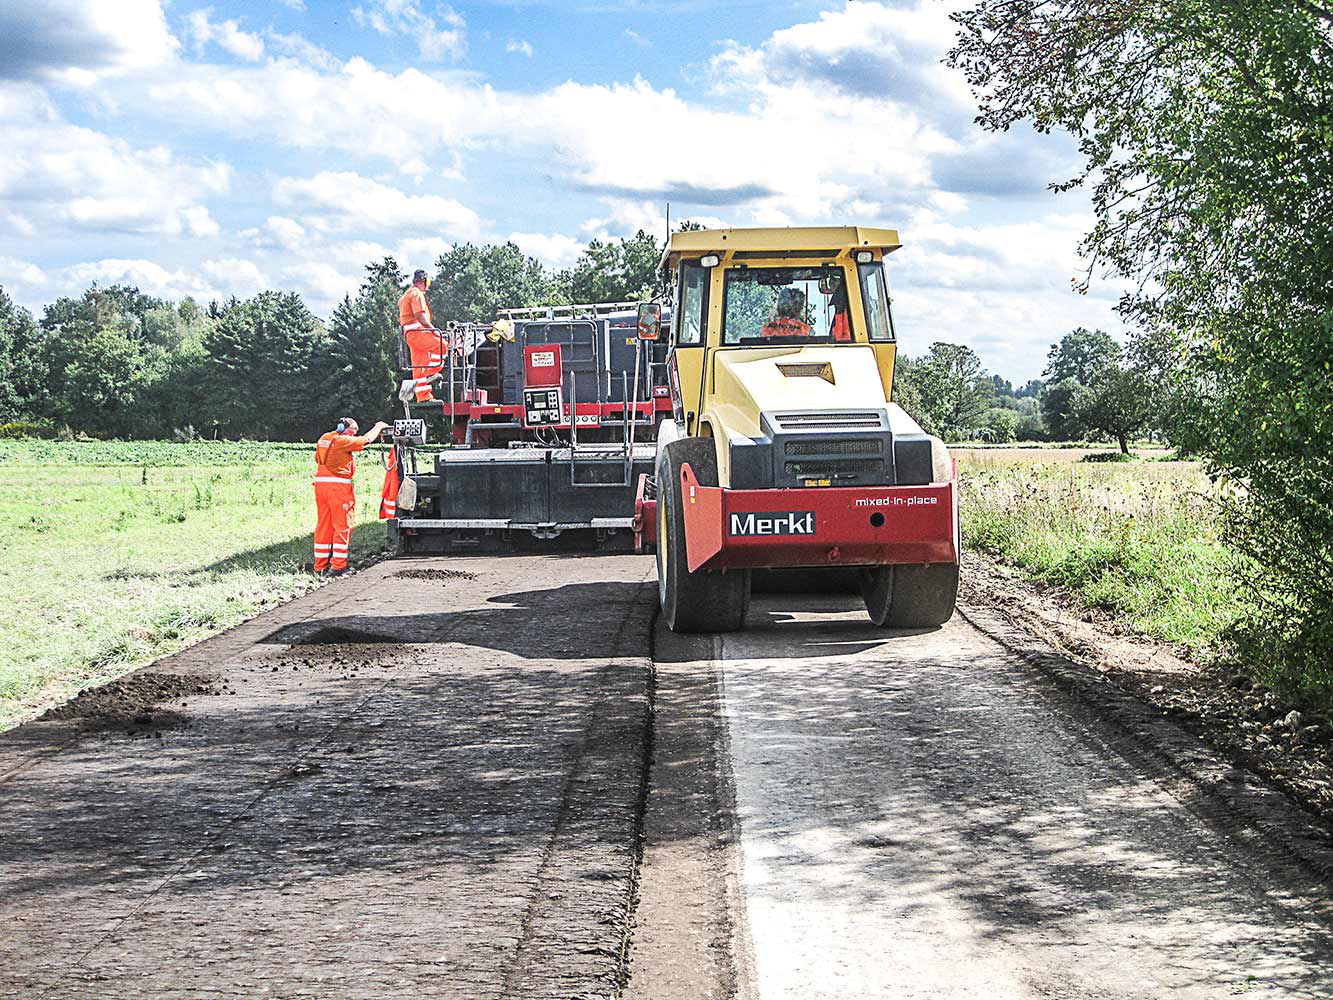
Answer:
(429, 347)
(335, 496)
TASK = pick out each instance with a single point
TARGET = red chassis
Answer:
(484, 415)
(816, 526)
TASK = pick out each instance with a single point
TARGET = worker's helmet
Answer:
(791, 303)
(420, 275)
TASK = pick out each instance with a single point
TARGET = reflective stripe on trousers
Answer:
(335, 514)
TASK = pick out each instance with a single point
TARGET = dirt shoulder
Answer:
(1250, 727)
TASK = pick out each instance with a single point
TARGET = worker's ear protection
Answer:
(341, 427)
(428, 281)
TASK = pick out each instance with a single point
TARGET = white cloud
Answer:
(60, 179)
(1004, 288)
(80, 41)
(436, 39)
(416, 168)
(333, 202)
(301, 49)
(226, 34)
(148, 276)
(15, 273)
(235, 276)
(277, 233)
(296, 5)
(632, 36)
(523, 47)
(870, 49)
(791, 153)
(555, 250)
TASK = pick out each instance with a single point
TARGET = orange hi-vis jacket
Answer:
(784, 326)
(333, 457)
(412, 302)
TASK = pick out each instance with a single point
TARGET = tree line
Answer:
(114, 362)
(1092, 389)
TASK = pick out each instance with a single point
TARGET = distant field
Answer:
(112, 554)
(1140, 540)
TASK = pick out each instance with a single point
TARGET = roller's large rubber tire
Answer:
(911, 596)
(700, 601)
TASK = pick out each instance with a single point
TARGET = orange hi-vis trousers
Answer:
(430, 352)
(335, 513)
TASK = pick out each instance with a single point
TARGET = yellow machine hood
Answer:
(748, 382)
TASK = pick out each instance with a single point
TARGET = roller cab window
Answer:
(785, 305)
(875, 295)
(691, 317)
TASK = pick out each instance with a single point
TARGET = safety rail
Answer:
(584, 310)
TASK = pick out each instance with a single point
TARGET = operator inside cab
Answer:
(788, 316)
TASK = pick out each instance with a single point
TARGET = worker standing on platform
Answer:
(335, 496)
(428, 346)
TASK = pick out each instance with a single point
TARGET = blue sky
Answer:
(215, 149)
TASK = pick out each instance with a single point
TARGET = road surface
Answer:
(926, 816)
(432, 779)
(421, 781)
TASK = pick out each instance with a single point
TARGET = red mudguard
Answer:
(819, 526)
(645, 516)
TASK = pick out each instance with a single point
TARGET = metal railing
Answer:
(583, 310)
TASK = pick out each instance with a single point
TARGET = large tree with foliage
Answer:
(619, 271)
(1073, 365)
(907, 392)
(472, 283)
(1116, 402)
(263, 358)
(76, 331)
(954, 389)
(1207, 132)
(361, 365)
(22, 368)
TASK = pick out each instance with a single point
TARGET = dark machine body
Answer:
(546, 435)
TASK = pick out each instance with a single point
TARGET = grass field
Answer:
(1140, 540)
(115, 553)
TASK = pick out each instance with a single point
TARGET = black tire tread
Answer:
(700, 601)
(917, 596)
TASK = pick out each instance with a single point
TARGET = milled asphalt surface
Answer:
(921, 816)
(405, 787)
(428, 780)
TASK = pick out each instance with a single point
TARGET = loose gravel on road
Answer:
(408, 784)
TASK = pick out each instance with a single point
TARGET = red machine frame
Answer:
(852, 526)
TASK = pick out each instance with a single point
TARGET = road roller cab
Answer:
(784, 450)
